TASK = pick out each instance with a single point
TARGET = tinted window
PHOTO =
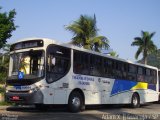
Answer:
(81, 63)
(96, 65)
(90, 64)
(140, 74)
(108, 68)
(132, 70)
(140, 71)
(58, 62)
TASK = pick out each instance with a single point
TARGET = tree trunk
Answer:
(145, 60)
(145, 56)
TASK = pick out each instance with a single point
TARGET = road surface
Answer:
(149, 111)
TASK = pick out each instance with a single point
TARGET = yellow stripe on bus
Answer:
(140, 85)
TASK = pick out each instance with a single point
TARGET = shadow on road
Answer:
(59, 109)
(106, 112)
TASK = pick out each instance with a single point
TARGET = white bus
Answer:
(44, 72)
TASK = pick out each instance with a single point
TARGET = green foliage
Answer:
(2, 89)
(3, 76)
(145, 45)
(153, 59)
(4, 63)
(4, 103)
(85, 34)
(7, 26)
(113, 54)
(2, 92)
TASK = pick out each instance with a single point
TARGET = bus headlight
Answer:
(34, 90)
(30, 91)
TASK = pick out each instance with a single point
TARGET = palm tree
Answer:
(114, 54)
(85, 34)
(145, 45)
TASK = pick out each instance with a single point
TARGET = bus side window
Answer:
(84, 63)
(132, 70)
(153, 77)
(140, 74)
(108, 68)
(99, 66)
(77, 67)
(95, 65)
(81, 65)
(58, 62)
(117, 69)
(124, 70)
(105, 68)
(148, 77)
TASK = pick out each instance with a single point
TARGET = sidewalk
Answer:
(4, 107)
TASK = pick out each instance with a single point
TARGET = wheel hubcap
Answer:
(135, 101)
(76, 101)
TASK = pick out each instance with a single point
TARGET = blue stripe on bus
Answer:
(122, 85)
(152, 86)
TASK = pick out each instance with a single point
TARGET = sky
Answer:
(119, 20)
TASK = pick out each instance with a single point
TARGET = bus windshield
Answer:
(30, 63)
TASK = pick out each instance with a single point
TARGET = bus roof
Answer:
(69, 45)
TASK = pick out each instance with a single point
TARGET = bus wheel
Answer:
(135, 103)
(75, 102)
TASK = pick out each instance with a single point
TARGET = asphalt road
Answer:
(149, 111)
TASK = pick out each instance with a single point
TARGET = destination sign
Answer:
(27, 44)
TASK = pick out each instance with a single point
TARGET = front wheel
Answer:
(75, 102)
(135, 102)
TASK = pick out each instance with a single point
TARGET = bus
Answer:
(45, 72)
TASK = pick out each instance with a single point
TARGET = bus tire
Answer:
(75, 102)
(135, 101)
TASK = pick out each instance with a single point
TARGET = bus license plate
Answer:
(15, 98)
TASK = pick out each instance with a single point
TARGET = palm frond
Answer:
(139, 51)
(145, 45)
(137, 41)
(85, 33)
(100, 42)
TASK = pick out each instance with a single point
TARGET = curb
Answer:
(3, 107)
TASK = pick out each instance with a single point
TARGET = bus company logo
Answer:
(84, 78)
(105, 81)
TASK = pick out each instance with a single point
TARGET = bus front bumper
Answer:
(24, 98)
